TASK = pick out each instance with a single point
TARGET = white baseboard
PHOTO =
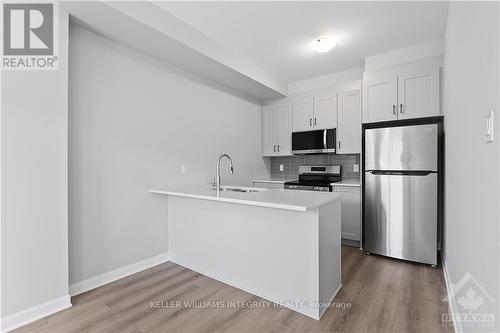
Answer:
(100, 280)
(449, 290)
(34, 313)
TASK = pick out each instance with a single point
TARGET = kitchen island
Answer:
(281, 245)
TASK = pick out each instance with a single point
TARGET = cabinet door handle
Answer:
(401, 108)
(340, 144)
(315, 122)
(278, 148)
(394, 109)
(310, 122)
(274, 148)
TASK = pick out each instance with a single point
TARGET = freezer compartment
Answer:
(400, 218)
(402, 148)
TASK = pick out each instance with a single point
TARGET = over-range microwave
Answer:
(313, 142)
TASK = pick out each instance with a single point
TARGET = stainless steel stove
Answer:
(316, 178)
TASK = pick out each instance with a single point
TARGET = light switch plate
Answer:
(489, 132)
(184, 169)
(356, 168)
(281, 167)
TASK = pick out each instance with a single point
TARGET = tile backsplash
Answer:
(291, 164)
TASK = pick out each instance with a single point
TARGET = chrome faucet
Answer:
(217, 170)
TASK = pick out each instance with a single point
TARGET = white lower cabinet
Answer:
(351, 211)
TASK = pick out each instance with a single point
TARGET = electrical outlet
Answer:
(184, 169)
(281, 167)
(355, 168)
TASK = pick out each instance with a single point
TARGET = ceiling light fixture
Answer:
(323, 44)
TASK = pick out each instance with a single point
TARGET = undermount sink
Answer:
(240, 189)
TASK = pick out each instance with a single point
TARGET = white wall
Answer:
(421, 55)
(326, 81)
(412, 53)
(34, 134)
(133, 122)
(145, 26)
(471, 88)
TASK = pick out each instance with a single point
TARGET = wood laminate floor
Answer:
(384, 295)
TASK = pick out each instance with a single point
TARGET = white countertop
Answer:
(347, 182)
(276, 198)
(272, 180)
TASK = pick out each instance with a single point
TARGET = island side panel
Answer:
(272, 253)
(329, 252)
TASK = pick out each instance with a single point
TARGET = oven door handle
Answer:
(324, 140)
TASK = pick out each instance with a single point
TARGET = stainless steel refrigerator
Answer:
(401, 185)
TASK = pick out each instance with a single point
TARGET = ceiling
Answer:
(277, 35)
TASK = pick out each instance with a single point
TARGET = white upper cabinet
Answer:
(349, 122)
(283, 129)
(380, 97)
(269, 130)
(276, 129)
(405, 95)
(302, 109)
(325, 111)
(314, 112)
(418, 94)
(338, 107)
